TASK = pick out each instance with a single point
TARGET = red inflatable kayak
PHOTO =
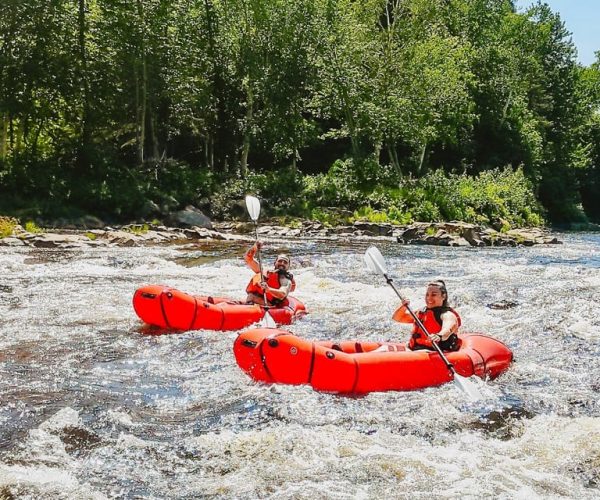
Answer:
(171, 309)
(273, 355)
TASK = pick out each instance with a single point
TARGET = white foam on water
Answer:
(174, 415)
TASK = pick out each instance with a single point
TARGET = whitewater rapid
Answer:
(91, 407)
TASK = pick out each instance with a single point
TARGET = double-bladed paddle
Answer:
(376, 264)
(253, 206)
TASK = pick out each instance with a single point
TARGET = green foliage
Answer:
(430, 231)
(279, 189)
(500, 198)
(291, 222)
(137, 229)
(495, 197)
(347, 184)
(7, 226)
(183, 102)
(329, 217)
(32, 227)
(370, 215)
(338, 187)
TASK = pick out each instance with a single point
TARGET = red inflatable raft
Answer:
(272, 355)
(171, 309)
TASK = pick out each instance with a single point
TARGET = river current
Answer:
(92, 407)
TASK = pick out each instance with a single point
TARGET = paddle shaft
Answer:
(420, 324)
(260, 267)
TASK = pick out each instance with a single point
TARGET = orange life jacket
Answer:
(432, 321)
(272, 280)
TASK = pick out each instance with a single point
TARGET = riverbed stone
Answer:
(53, 240)
(190, 216)
(121, 238)
(465, 234)
(11, 241)
(454, 234)
(375, 229)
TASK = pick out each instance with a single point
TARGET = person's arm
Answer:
(249, 257)
(401, 315)
(449, 326)
(281, 292)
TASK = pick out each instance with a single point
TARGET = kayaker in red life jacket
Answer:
(276, 284)
(441, 321)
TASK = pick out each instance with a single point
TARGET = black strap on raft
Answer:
(263, 358)
(312, 363)
(222, 317)
(162, 306)
(482, 360)
(195, 313)
(356, 369)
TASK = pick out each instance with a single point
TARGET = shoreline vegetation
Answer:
(332, 111)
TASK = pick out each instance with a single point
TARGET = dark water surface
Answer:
(90, 407)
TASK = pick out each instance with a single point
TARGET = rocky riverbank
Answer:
(189, 229)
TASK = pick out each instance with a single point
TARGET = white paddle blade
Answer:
(375, 261)
(253, 206)
(467, 386)
(267, 321)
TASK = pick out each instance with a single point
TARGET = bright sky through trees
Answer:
(582, 18)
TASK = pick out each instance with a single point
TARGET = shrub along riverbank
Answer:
(502, 199)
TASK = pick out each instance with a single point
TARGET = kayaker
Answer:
(276, 284)
(441, 321)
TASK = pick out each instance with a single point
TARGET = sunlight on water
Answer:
(92, 408)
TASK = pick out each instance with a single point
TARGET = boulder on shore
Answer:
(192, 224)
(465, 234)
(189, 217)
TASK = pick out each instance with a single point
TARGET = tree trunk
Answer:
(347, 109)
(421, 161)
(247, 128)
(207, 161)
(220, 123)
(85, 112)
(141, 90)
(139, 143)
(505, 108)
(11, 133)
(394, 159)
(4, 136)
(377, 147)
(153, 136)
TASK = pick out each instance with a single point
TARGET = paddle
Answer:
(376, 264)
(253, 206)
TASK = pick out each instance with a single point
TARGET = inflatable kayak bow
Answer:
(278, 356)
(174, 310)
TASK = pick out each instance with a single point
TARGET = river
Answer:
(92, 407)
